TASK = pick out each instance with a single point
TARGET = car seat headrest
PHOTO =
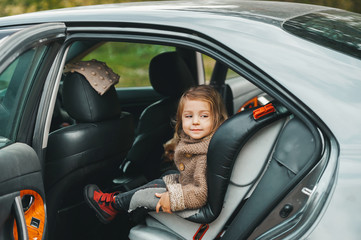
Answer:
(84, 104)
(170, 75)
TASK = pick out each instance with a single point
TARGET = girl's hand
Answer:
(163, 202)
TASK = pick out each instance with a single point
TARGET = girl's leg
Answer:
(145, 198)
(122, 200)
(108, 205)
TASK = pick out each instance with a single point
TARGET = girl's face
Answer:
(197, 119)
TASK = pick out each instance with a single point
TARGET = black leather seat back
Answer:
(169, 76)
(89, 151)
(224, 148)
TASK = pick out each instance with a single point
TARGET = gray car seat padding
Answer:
(153, 230)
(298, 149)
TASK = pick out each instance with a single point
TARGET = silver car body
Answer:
(319, 82)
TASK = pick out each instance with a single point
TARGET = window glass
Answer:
(15, 82)
(6, 76)
(339, 30)
(208, 64)
(129, 60)
(231, 74)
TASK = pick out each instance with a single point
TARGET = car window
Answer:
(129, 60)
(231, 74)
(335, 29)
(208, 64)
(15, 83)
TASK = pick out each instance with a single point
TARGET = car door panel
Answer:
(25, 59)
(6, 202)
(20, 168)
(18, 160)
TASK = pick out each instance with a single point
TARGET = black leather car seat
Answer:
(89, 151)
(170, 76)
(239, 152)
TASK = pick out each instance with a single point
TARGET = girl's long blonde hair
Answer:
(203, 93)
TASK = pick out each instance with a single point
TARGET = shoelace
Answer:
(106, 197)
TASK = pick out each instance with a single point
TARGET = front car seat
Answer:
(169, 76)
(89, 151)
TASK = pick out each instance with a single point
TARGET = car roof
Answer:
(268, 12)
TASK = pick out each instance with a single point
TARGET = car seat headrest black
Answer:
(223, 150)
(170, 75)
(84, 104)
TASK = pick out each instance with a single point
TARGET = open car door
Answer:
(27, 58)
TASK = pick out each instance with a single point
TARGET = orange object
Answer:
(249, 104)
(262, 111)
(34, 216)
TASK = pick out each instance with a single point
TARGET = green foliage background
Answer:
(12, 7)
(131, 64)
(350, 5)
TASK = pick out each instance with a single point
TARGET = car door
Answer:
(26, 57)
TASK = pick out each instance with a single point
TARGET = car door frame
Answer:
(20, 167)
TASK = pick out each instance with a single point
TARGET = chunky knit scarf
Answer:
(188, 189)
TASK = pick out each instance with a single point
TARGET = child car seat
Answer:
(274, 150)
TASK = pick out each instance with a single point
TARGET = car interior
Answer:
(115, 140)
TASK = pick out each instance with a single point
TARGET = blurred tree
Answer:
(12, 7)
(350, 5)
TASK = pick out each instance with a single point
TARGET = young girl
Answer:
(200, 112)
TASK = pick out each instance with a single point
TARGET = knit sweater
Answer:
(188, 189)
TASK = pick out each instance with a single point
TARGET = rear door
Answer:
(27, 55)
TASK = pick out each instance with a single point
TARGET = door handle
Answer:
(20, 219)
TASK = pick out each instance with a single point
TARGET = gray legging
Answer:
(143, 196)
